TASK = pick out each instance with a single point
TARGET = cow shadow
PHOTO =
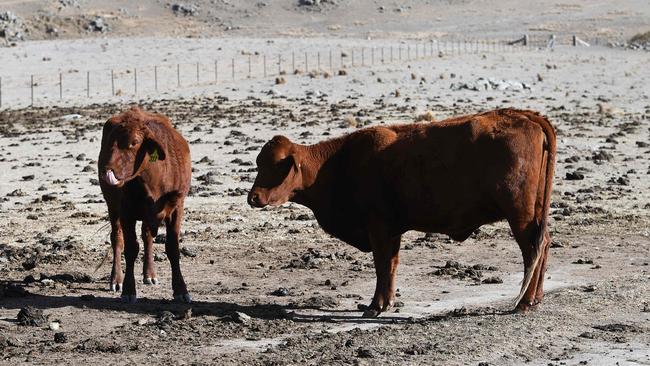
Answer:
(155, 307)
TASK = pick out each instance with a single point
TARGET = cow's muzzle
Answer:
(255, 200)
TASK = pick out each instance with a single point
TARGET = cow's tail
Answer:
(548, 162)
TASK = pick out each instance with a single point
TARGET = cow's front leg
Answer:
(385, 252)
(148, 272)
(130, 254)
(173, 254)
(117, 244)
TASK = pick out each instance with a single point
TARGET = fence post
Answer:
(155, 77)
(88, 84)
(331, 66)
(352, 56)
(400, 52)
(372, 56)
(306, 64)
(178, 75)
(526, 40)
(342, 60)
(197, 72)
(112, 84)
(382, 55)
(32, 90)
(60, 86)
(249, 66)
(363, 56)
(135, 80)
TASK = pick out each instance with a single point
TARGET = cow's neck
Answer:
(315, 171)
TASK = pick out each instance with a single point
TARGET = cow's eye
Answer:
(133, 143)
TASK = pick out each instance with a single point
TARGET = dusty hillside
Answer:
(49, 19)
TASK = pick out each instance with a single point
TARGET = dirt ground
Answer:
(269, 286)
(298, 288)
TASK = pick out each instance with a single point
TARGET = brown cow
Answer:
(371, 186)
(144, 173)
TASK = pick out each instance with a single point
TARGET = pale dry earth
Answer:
(301, 287)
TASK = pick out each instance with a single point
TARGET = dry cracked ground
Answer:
(271, 288)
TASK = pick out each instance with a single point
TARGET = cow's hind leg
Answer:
(173, 225)
(130, 254)
(117, 245)
(385, 253)
(148, 272)
(526, 233)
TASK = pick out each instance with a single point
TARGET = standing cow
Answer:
(369, 187)
(144, 173)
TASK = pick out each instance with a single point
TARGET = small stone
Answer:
(60, 337)
(280, 292)
(54, 326)
(31, 316)
(188, 252)
(241, 318)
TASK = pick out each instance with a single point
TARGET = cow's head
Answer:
(278, 173)
(129, 144)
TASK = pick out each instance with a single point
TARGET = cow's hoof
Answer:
(371, 313)
(150, 281)
(129, 299)
(184, 298)
(526, 307)
(115, 287)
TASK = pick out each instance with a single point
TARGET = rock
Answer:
(493, 280)
(364, 353)
(427, 116)
(16, 193)
(97, 24)
(280, 292)
(574, 176)
(60, 337)
(240, 317)
(188, 252)
(54, 326)
(31, 316)
(185, 9)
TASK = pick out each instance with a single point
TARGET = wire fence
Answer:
(146, 81)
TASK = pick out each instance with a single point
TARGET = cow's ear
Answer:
(154, 149)
(295, 162)
(153, 144)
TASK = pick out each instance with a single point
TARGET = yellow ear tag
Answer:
(153, 156)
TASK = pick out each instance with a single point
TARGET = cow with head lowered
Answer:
(369, 187)
(144, 174)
